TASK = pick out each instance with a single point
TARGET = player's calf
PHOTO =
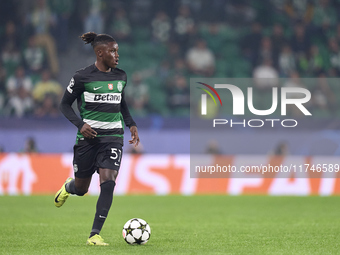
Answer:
(71, 188)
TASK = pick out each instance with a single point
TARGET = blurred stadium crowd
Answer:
(164, 43)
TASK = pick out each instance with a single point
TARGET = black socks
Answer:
(103, 205)
(70, 187)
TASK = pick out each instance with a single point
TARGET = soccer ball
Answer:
(136, 231)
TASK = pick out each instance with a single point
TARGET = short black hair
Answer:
(96, 39)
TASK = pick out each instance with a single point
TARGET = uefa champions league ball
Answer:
(136, 231)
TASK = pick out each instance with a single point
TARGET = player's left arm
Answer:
(129, 122)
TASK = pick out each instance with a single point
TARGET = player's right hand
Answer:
(87, 131)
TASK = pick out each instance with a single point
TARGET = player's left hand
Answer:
(134, 136)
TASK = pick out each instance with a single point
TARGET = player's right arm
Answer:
(73, 90)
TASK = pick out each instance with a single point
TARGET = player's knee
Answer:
(107, 175)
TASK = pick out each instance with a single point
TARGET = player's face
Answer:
(110, 54)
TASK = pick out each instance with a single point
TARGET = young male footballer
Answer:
(99, 90)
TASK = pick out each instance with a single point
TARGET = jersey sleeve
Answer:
(75, 87)
(129, 122)
(73, 91)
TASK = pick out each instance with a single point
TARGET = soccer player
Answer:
(99, 90)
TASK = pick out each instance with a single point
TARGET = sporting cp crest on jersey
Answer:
(119, 86)
(110, 86)
(75, 168)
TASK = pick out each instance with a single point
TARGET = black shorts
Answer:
(88, 158)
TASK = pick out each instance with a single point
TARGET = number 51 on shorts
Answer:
(116, 156)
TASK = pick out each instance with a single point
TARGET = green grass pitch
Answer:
(179, 225)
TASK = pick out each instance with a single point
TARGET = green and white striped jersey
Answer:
(100, 102)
